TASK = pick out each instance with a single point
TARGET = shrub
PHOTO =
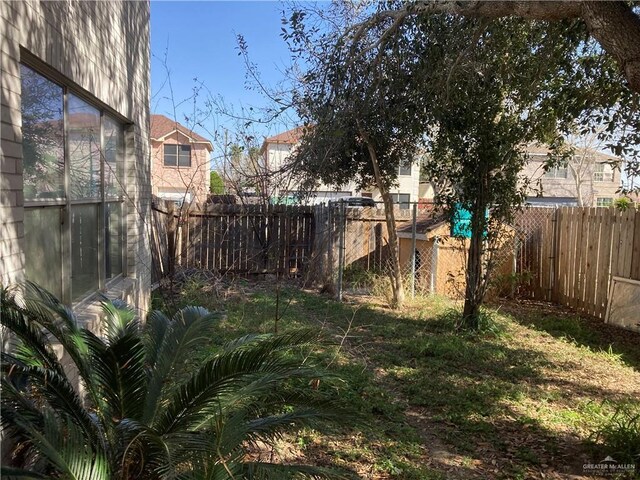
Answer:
(150, 411)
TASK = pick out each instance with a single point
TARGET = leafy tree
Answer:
(615, 25)
(482, 88)
(150, 410)
(494, 97)
(367, 120)
(216, 186)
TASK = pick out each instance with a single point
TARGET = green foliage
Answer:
(216, 186)
(619, 433)
(623, 203)
(150, 411)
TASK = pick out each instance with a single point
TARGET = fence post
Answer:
(341, 247)
(413, 249)
(172, 225)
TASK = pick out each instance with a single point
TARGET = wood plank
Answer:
(577, 302)
(635, 255)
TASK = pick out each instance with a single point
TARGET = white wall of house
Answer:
(99, 52)
(277, 155)
(408, 184)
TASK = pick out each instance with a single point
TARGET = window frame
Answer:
(66, 203)
(401, 167)
(602, 176)
(178, 147)
(401, 205)
(555, 172)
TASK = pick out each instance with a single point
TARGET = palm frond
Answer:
(119, 376)
(188, 332)
(66, 449)
(119, 320)
(58, 393)
(10, 473)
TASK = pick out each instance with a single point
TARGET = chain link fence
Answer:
(432, 259)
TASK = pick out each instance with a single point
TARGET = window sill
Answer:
(88, 311)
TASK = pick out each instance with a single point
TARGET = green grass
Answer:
(523, 396)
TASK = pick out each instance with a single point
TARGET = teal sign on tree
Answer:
(461, 222)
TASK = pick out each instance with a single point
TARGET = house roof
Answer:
(290, 137)
(162, 127)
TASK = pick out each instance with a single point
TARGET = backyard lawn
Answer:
(523, 399)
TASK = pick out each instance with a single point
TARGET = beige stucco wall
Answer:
(101, 49)
(566, 187)
(194, 179)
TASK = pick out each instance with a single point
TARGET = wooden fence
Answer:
(234, 239)
(268, 239)
(573, 253)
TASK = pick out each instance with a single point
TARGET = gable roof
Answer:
(290, 137)
(162, 127)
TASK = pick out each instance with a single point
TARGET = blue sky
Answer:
(199, 39)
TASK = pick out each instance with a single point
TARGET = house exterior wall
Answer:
(181, 180)
(101, 49)
(276, 155)
(406, 184)
(565, 188)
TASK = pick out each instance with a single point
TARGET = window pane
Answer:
(84, 250)
(113, 239)
(171, 155)
(43, 256)
(171, 149)
(83, 130)
(114, 158)
(42, 136)
(184, 158)
(405, 169)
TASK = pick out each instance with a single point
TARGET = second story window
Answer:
(603, 173)
(404, 170)
(177, 155)
(556, 172)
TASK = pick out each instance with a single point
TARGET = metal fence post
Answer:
(341, 246)
(413, 249)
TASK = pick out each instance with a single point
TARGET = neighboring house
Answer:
(588, 179)
(74, 172)
(276, 150)
(181, 163)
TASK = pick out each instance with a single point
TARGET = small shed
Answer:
(440, 258)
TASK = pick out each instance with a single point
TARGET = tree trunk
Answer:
(476, 276)
(395, 275)
(472, 297)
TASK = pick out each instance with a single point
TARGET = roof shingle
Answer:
(161, 126)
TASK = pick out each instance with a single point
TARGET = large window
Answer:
(603, 173)
(604, 202)
(177, 155)
(73, 185)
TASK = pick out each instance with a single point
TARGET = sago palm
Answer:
(147, 410)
